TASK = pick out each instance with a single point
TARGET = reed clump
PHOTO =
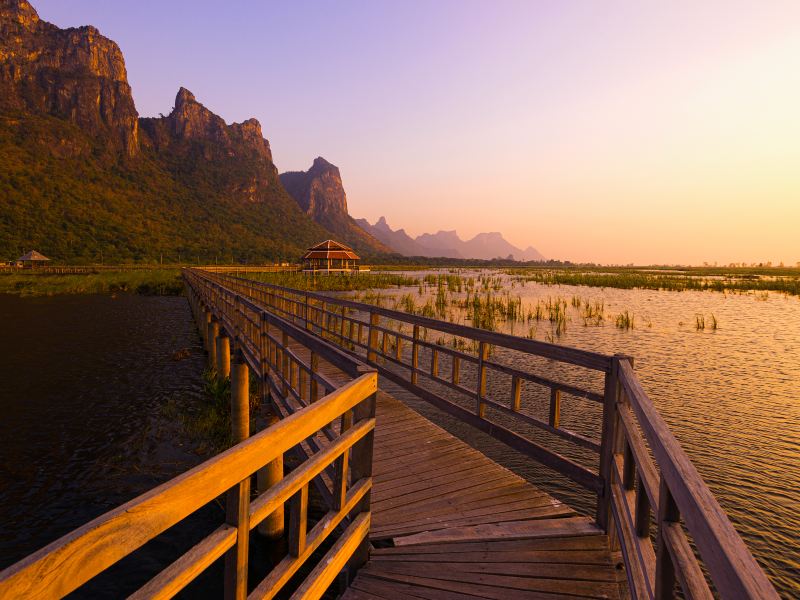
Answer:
(625, 320)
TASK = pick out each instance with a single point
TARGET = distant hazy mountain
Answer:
(484, 246)
(401, 242)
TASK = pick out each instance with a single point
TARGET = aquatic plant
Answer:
(625, 320)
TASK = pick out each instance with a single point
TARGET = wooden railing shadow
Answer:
(646, 486)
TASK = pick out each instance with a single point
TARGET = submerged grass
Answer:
(150, 282)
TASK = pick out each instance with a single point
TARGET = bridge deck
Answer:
(448, 523)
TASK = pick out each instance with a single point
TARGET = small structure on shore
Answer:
(32, 259)
(330, 257)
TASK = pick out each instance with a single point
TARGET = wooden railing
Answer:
(643, 481)
(344, 413)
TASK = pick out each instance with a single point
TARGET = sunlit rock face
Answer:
(75, 74)
(319, 191)
(203, 142)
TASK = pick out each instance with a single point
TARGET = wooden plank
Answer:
(505, 531)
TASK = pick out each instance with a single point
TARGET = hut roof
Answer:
(33, 255)
(330, 249)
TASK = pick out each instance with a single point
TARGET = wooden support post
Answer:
(285, 364)
(204, 328)
(516, 392)
(434, 362)
(238, 500)
(384, 343)
(415, 355)
(665, 570)
(213, 335)
(555, 407)
(223, 356)
(240, 399)
(374, 320)
(456, 370)
(608, 443)
(273, 526)
(483, 354)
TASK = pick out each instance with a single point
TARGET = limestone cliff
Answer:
(319, 192)
(75, 74)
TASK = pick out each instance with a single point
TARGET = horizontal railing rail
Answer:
(644, 480)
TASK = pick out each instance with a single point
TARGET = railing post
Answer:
(374, 320)
(555, 407)
(238, 500)
(483, 355)
(609, 442)
(314, 385)
(206, 320)
(415, 355)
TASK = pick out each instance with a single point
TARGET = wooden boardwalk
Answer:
(462, 526)
(450, 523)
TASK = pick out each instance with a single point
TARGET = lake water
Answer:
(731, 396)
(82, 429)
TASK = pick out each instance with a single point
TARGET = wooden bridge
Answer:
(412, 511)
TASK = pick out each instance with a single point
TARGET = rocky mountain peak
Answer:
(75, 74)
(19, 12)
(190, 121)
(319, 191)
(382, 225)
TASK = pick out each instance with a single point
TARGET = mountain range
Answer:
(484, 246)
(84, 178)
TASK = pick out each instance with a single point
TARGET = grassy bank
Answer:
(787, 282)
(161, 282)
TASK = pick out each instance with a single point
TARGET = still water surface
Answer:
(82, 428)
(731, 396)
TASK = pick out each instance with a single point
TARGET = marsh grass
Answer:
(208, 423)
(786, 281)
(148, 282)
(336, 283)
(625, 320)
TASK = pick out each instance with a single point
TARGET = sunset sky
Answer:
(613, 132)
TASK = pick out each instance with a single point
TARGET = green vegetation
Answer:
(784, 280)
(335, 283)
(161, 282)
(69, 195)
(208, 424)
(625, 320)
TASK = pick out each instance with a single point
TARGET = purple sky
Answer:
(607, 131)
